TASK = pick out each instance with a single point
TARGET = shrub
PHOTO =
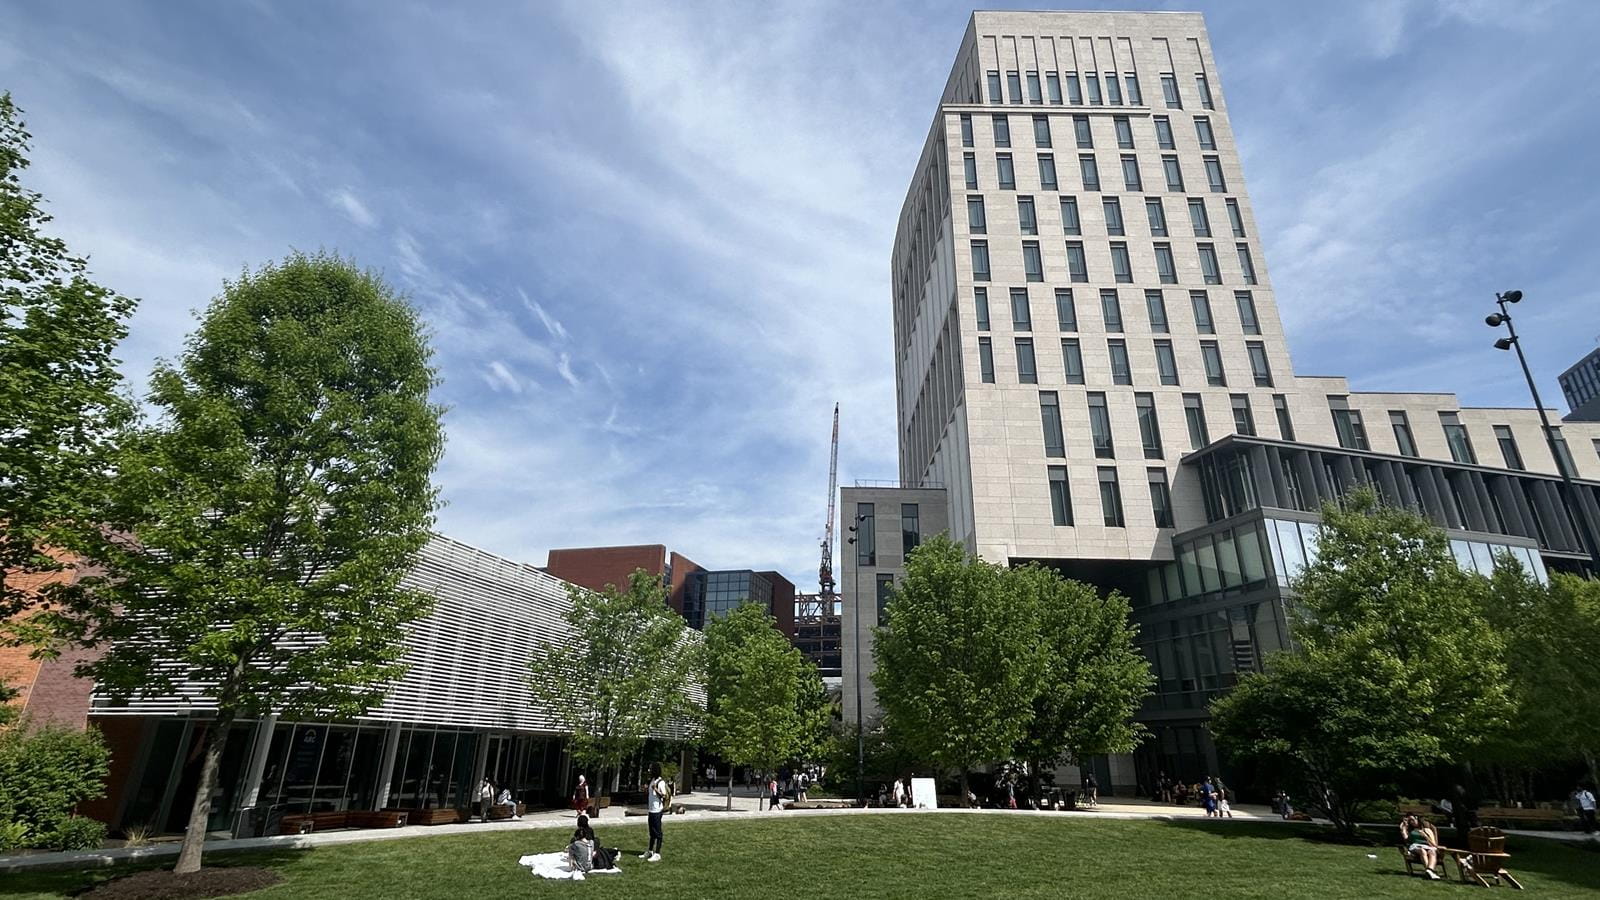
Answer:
(46, 771)
(15, 836)
(77, 833)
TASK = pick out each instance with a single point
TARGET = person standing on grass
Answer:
(1583, 799)
(656, 795)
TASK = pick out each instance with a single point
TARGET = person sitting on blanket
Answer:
(1421, 841)
(598, 857)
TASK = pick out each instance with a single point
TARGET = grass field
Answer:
(924, 856)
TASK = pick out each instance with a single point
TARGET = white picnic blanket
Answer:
(554, 865)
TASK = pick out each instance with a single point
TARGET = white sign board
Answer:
(923, 794)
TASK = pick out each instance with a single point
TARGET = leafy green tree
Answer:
(959, 665)
(60, 407)
(45, 772)
(622, 673)
(1397, 669)
(754, 678)
(817, 712)
(262, 526)
(1094, 676)
(8, 711)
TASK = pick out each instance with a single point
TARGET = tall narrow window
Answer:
(1280, 406)
(1202, 130)
(1402, 432)
(980, 300)
(1169, 90)
(1124, 132)
(1508, 447)
(1132, 82)
(1066, 312)
(1100, 426)
(1558, 446)
(1035, 95)
(1047, 172)
(1060, 497)
(994, 88)
(1260, 369)
(1069, 216)
(986, 360)
(1080, 128)
(1166, 364)
(1091, 172)
(1158, 216)
(910, 527)
(1201, 304)
(1052, 85)
(1121, 372)
(1121, 266)
(885, 583)
(1246, 266)
(1020, 319)
(1210, 272)
(1214, 175)
(1213, 362)
(1130, 173)
(866, 539)
(1169, 165)
(966, 130)
(1002, 131)
(976, 223)
(1074, 91)
(969, 167)
(1247, 312)
(1008, 174)
(1113, 208)
(1027, 220)
(1050, 415)
(1077, 267)
(1164, 133)
(1113, 90)
(1041, 131)
(1149, 425)
(1203, 87)
(1072, 360)
(1234, 218)
(1026, 372)
(1160, 497)
(1110, 497)
(980, 260)
(1111, 310)
(1347, 425)
(1092, 82)
(1014, 86)
(1155, 306)
(1455, 434)
(1194, 413)
(1198, 218)
(1244, 421)
(1032, 262)
(1166, 269)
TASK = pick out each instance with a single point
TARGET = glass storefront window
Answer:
(1207, 554)
(1228, 560)
(1294, 558)
(1191, 569)
(1252, 566)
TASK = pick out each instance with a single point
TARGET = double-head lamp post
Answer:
(855, 624)
(1570, 497)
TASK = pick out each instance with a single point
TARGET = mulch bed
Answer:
(162, 884)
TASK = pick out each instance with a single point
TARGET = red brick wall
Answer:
(46, 690)
(682, 568)
(597, 567)
(782, 602)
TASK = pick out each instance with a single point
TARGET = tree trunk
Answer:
(194, 836)
(1033, 780)
(964, 787)
(1594, 776)
(730, 787)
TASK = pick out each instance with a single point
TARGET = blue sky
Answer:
(652, 241)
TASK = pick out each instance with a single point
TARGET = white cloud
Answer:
(348, 203)
(551, 323)
(498, 377)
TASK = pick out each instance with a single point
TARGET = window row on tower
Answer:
(1113, 318)
(1104, 443)
(1088, 172)
(1112, 217)
(1045, 129)
(1077, 263)
(1086, 89)
(1110, 491)
(1116, 356)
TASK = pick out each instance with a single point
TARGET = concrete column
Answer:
(391, 747)
(251, 791)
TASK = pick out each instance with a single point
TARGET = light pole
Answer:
(855, 625)
(1569, 498)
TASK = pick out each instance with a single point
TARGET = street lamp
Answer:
(1511, 341)
(855, 624)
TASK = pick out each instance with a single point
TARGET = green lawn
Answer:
(923, 856)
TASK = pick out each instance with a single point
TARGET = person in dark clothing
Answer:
(600, 857)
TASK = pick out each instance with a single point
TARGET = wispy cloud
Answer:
(349, 204)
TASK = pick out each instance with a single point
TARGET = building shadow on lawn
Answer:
(73, 882)
(1575, 864)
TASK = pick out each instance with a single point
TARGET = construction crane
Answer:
(825, 571)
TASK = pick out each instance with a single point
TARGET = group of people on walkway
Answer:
(490, 799)
(1211, 793)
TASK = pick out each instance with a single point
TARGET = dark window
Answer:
(1202, 130)
(980, 260)
(1034, 94)
(1121, 267)
(1210, 272)
(976, 222)
(866, 537)
(1026, 373)
(1164, 133)
(1134, 97)
(1080, 128)
(1066, 312)
(1092, 82)
(1091, 173)
(1060, 497)
(1008, 173)
(885, 592)
(1111, 310)
(1204, 89)
(1050, 415)
(980, 301)
(1244, 421)
(1100, 426)
(1052, 84)
(1026, 218)
(1166, 269)
(994, 88)
(969, 165)
(1169, 165)
(1213, 360)
(1047, 172)
(1074, 92)
(1160, 498)
(1198, 220)
(1455, 434)
(1194, 414)
(986, 360)
(1280, 405)
(1130, 174)
(1002, 131)
(1508, 446)
(1072, 360)
(1041, 131)
(1077, 267)
(1155, 306)
(1558, 445)
(1069, 216)
(1166, 364)
(1118, 351)
(1247, 312)
(1020, 320)
(1169, 90)
(1014, 86)
(1259, 369)
(1214, 175)
(1110, 497)
(1032, 262)
(1124, 132)
(1347, 424)
(910, 527)
(1149, 425)
(1234, 218)
(1113, 209)
(1158, 216)
(1247, 266)
(966, 130)
(1113, 90)
(1201, 304)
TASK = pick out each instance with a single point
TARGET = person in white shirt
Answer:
(1583, 799)
(656, 797)
(510, 804)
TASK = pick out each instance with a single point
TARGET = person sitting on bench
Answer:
(1421, 842)
(506, 800)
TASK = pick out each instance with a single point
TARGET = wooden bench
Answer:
(435, 816)
(1551, 818)
(501, 811)
(306, 823)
